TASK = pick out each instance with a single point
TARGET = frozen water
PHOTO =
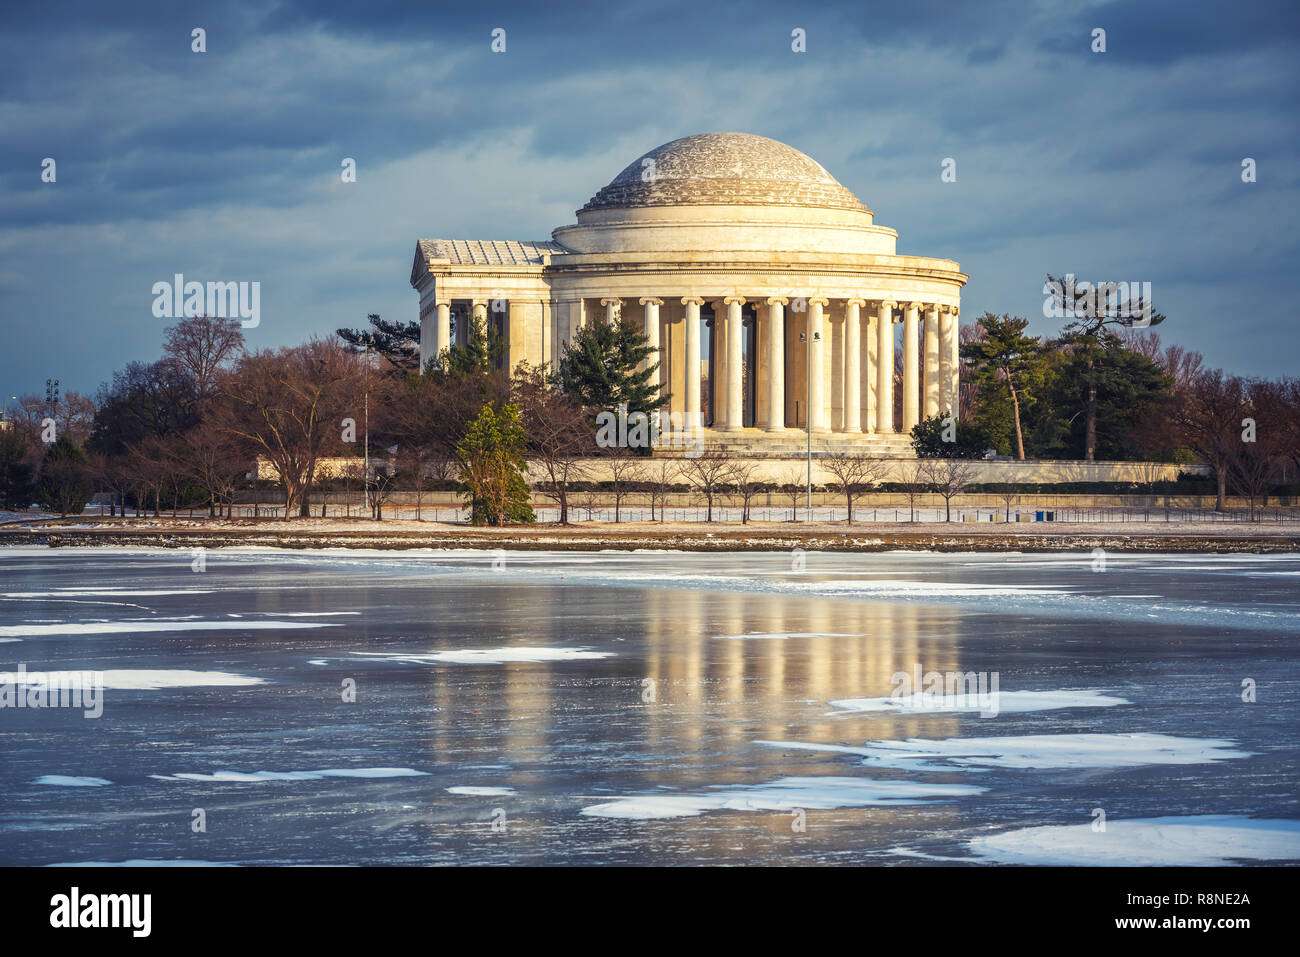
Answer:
(365, 707)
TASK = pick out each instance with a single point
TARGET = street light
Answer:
(803, 337)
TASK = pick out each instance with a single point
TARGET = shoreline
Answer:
(640, 536)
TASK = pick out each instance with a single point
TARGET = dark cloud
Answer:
(1124, 164)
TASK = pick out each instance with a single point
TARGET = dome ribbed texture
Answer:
(725, 169)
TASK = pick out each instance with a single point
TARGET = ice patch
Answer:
(108, 593)
(477, 791)
(142, 863)
(489, 656)
(147, 679)
(135, 627)
(1196, 841)
(1009, 702)
(246, 777)
(1034, 751)
(783, 794)
(70, 781)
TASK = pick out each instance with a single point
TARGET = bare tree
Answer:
(745, 477)
(794, 486)
(290, 404)
(203, 345)
(948, 477)
(1009, 492)
(626, 474)
(1265, 443)
(856, 472)
(708, 473)
(661, 474)
(560, 435)
(916, 482)
(1208, 418)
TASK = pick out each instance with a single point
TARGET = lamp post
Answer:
(803, 337)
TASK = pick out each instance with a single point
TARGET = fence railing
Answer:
(728, 513)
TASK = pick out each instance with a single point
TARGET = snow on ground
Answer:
(1037, 751)
(1198, 840)
(783, 794)
(1009, 702)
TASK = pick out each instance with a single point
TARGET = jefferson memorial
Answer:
(779, 308)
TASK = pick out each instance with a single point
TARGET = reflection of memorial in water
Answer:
(834, 649)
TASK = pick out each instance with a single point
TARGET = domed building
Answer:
(776, 302)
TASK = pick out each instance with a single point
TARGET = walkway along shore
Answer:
(765, 537)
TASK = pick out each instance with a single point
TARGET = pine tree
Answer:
(17, 489)
(1005, 360)
(65, 478)
(398, 342)
(601, 368)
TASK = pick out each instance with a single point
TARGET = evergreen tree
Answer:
(397, 342)
(1091, 311)
(480, 354)
(601, 368)
(1005, 362)
(943, 437)
(65, 478)
(492, 464)
(17, 487)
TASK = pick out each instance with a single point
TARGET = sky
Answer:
(1123, 165)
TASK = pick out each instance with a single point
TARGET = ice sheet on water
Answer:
(1008, 702)
(246, 777)
(480, 790)
(135, 627)
(70, 781)
(141, 862)
(1194, 840)
(783, 794)
(1033, 751)
(150, 679)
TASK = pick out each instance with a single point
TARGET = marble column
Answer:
(480, 320)
(652, 339)
(735, 363)
(852, 365)
(817, 418)
(613, 308)
(718, 366)
(776, 364)
(692, 304)
(946, 323)
(577, 317)
(911, 366)
(954, 377)
(872, 377)
(885, 366)
(442, 337)
(931, 361)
